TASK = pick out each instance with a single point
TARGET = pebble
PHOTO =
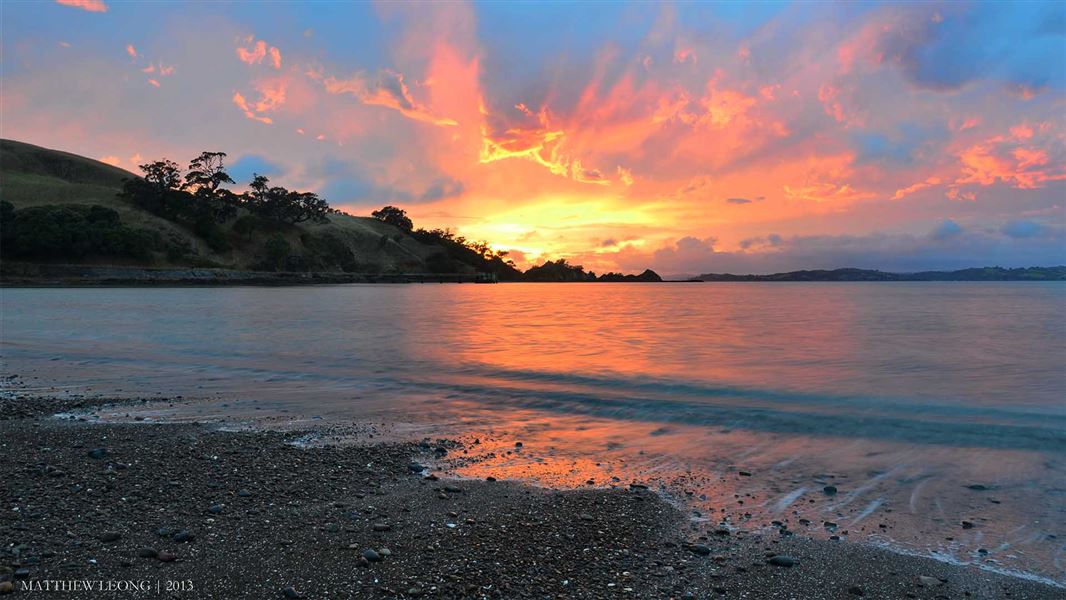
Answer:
(215, 509)
(451, 489)
(6, 587)
(856, 590)
(381, 527)
(166, 556)
(97, 453)
(148, 553)
(183, 536)
(781, 561)
(414, 592)
(244, 493)
(416, 468)
(110, 536)
(165, 531)
(927, 581)
(290, 592)
(830, 490)
(371, 555)
(700, 549)
(967, 525)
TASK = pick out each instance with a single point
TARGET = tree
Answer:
(286, 206)
(157, 190)
(394, 216)
(207, 172)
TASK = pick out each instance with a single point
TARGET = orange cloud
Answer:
(89, 5)
(255, 53)
(242, 104)
(131, 51)
(111, 160)
(1020, 167)
(921, 185)
(388, 90)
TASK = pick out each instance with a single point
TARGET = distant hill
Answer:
(975, 274)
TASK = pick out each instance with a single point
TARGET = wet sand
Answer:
(253, 515)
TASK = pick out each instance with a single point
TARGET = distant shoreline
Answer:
(21, 275)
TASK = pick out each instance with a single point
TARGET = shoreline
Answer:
(264, 514)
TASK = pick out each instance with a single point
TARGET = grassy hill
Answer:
(32, 176)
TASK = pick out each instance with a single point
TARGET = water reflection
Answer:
(924, 405)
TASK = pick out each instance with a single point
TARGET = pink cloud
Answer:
(88, 5)
(258, 51)
(131, 51)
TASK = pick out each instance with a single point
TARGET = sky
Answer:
(688, 138)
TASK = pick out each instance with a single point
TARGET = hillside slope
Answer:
(32, 176)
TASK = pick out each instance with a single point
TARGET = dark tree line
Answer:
(198, 197)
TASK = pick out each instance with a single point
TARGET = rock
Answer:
(585, 517)
(371, 555)
(381, 527)
(183, 536)
(700, 549)
(451, 489)
(167, 556)
(856, 590)
(722, 532)
(414, 592)
(977, 487)
(967, 525)
(290, 592)
(637, 486)
(518, 444)
(744, 474)
(110, 536)
(6, 587)
(830, 490)
(781, 560)
(97, 453)
(165, 531)
(927, 581)
(490, 479)
(215, 509)
(416, 468)
(22, 573)
(384, 552)
(244, 493)
(148, 553)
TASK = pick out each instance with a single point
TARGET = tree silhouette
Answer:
(286, 206)
(394, 216)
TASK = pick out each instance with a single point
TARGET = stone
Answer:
(700, 549)
(167, 556)
(830, 490)
(97, 453)
(183, 536)
(6, 587)
(927, 581)
(215, 509)
(147, 553)
(967, 525)
(371, 555)
(781, 560)
(290, 592)
(381, 527)
(110, 536)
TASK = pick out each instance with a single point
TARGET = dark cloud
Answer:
(946, 230)
(441, 188)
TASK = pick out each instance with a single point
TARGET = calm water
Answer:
(903, 396)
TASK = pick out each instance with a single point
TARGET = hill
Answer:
(975, 274)
(62, 186)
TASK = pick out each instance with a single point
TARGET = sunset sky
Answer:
(689, 138)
